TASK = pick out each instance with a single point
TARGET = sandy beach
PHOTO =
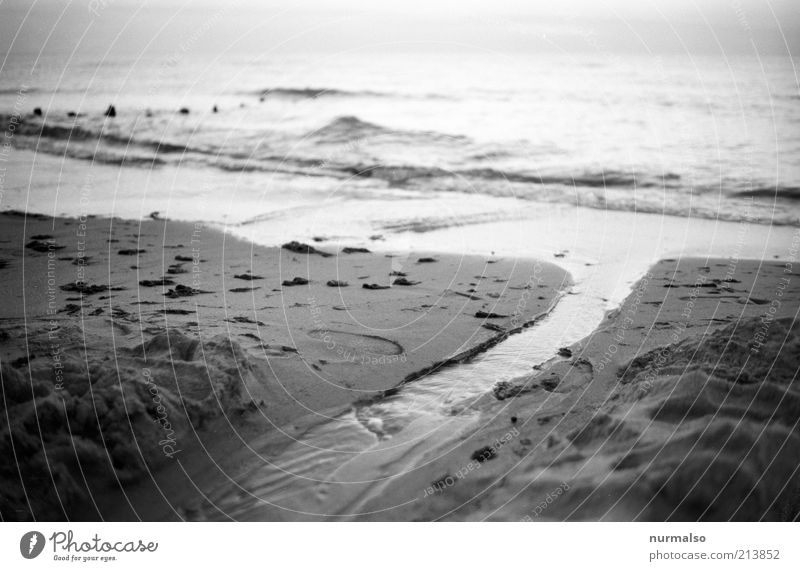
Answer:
(161, 370)
(135, 353)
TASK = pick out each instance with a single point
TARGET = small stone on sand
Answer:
(300, 248)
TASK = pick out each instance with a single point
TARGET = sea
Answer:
(269, 135)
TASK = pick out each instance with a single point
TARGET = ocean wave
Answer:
(32, 127)
(130, 157)
(352, 130)
(349, 127)
(96, 142)
(591, 179)
(315, 93)
(400, 174)
(329, 92)
(344, 149)
(18, 90)
(779, 192)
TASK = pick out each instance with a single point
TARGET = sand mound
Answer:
(749, 351)
(103, 422)
(715, 439)
(209, 373)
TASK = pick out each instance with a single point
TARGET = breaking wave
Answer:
(349, 147)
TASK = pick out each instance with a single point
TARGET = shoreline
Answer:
(576, 431)
(227, 408)
(690, 422)
(478, 350)
(221, 340)
(74, 183)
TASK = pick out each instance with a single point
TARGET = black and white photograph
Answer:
(381, 262)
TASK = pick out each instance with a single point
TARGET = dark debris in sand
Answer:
(300, 248)
(484, 454)
(88, 289)
(183, 291)
(242, 319)
(155, 283)
(43, 245)
(177, 311)
(510, 389)
(488, 315)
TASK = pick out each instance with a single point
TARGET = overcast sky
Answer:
(644, 26)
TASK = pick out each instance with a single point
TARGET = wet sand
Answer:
(140, 360)
(682, 405)
(191, 375)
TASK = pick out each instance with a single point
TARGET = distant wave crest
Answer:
(315, 93)
(352, 129)
(301, 93)
(778, 192)
(349, 126)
